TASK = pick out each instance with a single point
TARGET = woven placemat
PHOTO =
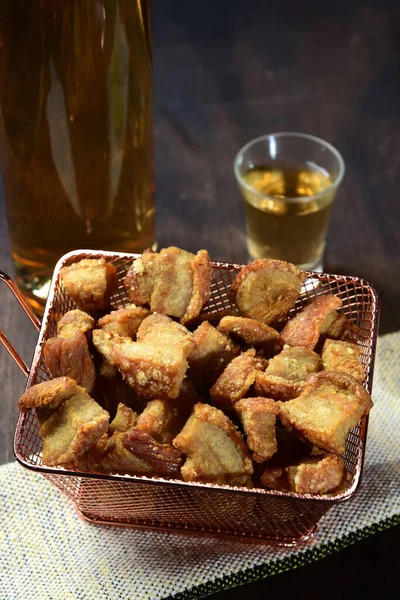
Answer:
(47, 552)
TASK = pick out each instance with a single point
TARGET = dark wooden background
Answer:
(226, 71)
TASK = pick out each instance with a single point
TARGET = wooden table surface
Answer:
(228, 71)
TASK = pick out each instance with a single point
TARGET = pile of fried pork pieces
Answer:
(252, 399)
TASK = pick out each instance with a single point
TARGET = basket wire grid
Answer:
(254, 514)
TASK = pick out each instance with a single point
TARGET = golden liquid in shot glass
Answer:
(282, 225)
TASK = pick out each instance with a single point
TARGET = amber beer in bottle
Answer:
(76, 142)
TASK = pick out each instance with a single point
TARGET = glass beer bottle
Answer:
(76, 141)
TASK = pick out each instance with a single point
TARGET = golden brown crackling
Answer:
(70, 357)
(304, 329)
(162, 330)
(278, 388)
(153, 372)
(258, 417)
(74, 321)
(91, 459)
(329, 406)
(72, 428)
(140, 278)
(163, 459)
(163, 419)
(275, 478)
(105, 341)
(49, 394)
(285, 376)
(343, 357)
(124, 321)
(117, 458)
(213, 351)
(295, 363)
(316, 475)
(202, 272)
(237, 379)
(251, 332)
(90, 283)
(173, 282)
(215, 450)
(124, 419)
(266, 289)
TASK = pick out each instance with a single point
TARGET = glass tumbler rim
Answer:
(293, 134)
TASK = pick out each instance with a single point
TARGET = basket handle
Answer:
(32, 317)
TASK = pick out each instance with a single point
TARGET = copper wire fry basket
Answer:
(172, 505)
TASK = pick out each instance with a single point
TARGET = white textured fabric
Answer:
(47, 552)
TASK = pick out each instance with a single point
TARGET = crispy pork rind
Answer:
(316, 475)
(137, 453)
(285, 376)
(105, 341)
(237, 379)
(163, 459)
(267, 289)
(74, 321)
(173, 282)
(116, 458)
(160, 329)
(258, 417)
(70, 357)
(251, 333)
(48, 394)
(275, 478)
(124, 321)
(213, 351)
(305, 328)
(152, 371)
(163, 419)
(90, 283)
(343, 357)
(70, 420)
(124, 420)
(330, 405)
(215, 450)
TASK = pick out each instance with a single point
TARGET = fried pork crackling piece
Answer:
(285, 376)
(212, 352)
(163, 419)
(138, 453)
(90, 283)
(330, 405)
(124, 420)
(258, 417)
(70, 357)
(251, 332)
(305, 328)
(105, 341)
(124, 321)
(215, 450)
(74, 321)
(70, 420)
(267, 289)
(173, 282)
(314, 475)
(160, 329)
(343, 357)
(153, 372)
(237, 379)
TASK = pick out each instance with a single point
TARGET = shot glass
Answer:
(289, 182)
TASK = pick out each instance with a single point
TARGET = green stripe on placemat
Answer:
(286, 564)
(48, 553)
